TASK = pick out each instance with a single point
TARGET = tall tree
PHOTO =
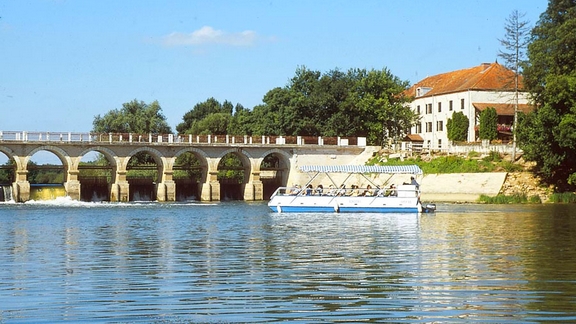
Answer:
(134, 117)
(548, 135)
(514, 42)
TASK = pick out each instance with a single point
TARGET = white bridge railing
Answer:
(167, 139)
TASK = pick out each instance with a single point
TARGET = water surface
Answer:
(238, 262)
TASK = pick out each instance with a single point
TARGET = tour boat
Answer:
(374, 198)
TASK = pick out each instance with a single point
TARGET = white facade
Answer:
(437, 98)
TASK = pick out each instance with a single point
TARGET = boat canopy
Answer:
(390, 169)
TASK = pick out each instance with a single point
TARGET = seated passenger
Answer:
(295, 190)
(391, 191)
(368, 191)
(354, 192)
(319, 190)
(332, 190)
(309, 190)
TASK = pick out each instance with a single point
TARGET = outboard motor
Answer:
(428, 208)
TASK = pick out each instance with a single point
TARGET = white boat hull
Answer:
(407, 201)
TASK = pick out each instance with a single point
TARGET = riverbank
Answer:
(468, 187)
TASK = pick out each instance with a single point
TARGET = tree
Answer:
(515, 41)
(488, 129)
(547, 136)
(199, 112)
(134, 117)
(215, 124)
(241, 122)
(7, 173)
(353, 103)
(457, 127)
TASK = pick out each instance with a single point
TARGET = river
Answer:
(237, 262)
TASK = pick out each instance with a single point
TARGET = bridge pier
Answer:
(254, 188)
(72, 185)
(72, 188)
(120, 192)
(210, 190)
(166, 191)
(120, 189)
(21, 191)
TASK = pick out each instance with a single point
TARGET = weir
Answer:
(258, 156)
(46, 191)
(6, 193)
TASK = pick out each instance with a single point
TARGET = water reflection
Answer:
(236, 262)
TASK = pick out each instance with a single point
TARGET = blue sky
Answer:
(63, 62)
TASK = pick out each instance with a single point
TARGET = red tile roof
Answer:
(414, 138)
(488, 76)
(504, 109)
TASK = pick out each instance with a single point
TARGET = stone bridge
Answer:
(290, 152)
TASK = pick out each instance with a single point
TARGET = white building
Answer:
(469, 91)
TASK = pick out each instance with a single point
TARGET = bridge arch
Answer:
(199, 154)
(276, 175)
(244, 157)
(96, 179)
(154, 153)
(59, 152)
(10, 154)
(188, 176)
(110, 155)
(285, 157)
(235, 184)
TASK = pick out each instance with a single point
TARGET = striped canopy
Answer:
(391, 169)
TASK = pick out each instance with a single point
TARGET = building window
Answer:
(428, 108)
(439, 143)
(418, 128)
(462, 104)
(439, 107)
(428, 127)
(418, 109)
(451, 105)
(440, 126)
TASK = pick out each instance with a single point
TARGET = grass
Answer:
(455, 164)
(564, 197)
(510, 199)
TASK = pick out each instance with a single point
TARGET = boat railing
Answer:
(401, 191)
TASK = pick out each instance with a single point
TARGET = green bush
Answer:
(488, 128)
(457, 127)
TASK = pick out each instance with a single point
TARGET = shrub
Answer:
(457, 127)
(488, 124)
